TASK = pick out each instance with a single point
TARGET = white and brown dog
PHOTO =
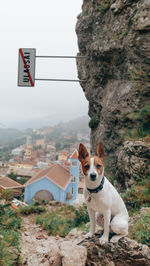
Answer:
(102, 198)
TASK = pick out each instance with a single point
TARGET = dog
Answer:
(103, 200)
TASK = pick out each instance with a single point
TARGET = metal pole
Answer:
(71, 80)
(53, 56)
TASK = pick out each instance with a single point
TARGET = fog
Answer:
(48, 26)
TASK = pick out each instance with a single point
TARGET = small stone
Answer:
(27, 233)
(41, 237)
(43, 260)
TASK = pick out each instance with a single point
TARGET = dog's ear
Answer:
(100, 152)
(83, 153)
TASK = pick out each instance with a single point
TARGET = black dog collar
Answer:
(97, 189)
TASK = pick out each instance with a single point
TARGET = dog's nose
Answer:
(93, 176)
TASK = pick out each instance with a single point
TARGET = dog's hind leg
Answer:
(119, 225)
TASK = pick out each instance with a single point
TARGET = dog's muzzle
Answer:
(93, 176)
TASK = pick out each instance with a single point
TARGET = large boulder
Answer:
(126, 252)
(72, 255)
(133, 162)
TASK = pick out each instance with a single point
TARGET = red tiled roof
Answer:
(58, 174)
(74, 155)
(7, 183)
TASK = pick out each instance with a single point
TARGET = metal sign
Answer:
(26, 69)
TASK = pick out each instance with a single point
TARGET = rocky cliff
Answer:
(114, 35)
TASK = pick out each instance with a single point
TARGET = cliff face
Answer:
(114, 35)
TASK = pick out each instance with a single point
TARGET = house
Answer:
(17, 151)
(28, 165)
(63, 156)
(21, 172)
(57, 181)
(40, 142)
(8, 183)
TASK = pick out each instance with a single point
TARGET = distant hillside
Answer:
(9, 134)
(79, 124)
(73, 127)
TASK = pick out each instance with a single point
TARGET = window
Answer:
(73, 179)
(72, 190)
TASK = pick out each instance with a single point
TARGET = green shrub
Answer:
(6, 194)
(10, 224)
(93, 123)
(141, 230)
(62, 220)
(8, 218)
(137, 196)
(31, 209)
(81, 215)
(140, 121)
(103, 6)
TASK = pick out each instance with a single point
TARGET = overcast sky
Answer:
(48, 26)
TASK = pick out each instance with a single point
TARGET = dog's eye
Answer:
(98, 166)
(86, 167)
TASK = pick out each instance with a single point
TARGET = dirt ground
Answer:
(35, 243)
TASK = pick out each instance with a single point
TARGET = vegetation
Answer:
(138, 195)
(110, 168)
(139, 74)
(13, 176)
(93, 123)
(103, 6)
(63, 143)
(10, 224)
(124, 33)
(141, 230)
(62, 220)
(6, 194)
(140, 121)
(84, 13)
(8, 142)
(31, 209)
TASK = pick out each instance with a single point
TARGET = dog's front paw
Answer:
(89, 235)
(103, 240)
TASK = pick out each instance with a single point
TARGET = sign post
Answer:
(26, 69)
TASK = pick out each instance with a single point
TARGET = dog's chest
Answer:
(95, 201)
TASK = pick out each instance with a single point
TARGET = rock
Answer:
(75, 236)
(27, 233)
(33, 260)
(117, 6)
(41, 236)
(126, 252)
(54, 254)
(133, 162)
(114, 38)
(72, 255)
(73, 232)
(49, 250)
